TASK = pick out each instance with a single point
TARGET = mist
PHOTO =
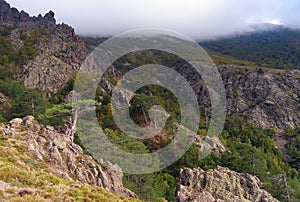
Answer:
(198, 19)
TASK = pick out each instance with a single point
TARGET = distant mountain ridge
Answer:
(274, 46)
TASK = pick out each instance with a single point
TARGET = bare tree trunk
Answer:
(155, 123)
(286, 188)
(206, 117)
(32, 106)
(72, 129)
(253, 163)
(145, 117)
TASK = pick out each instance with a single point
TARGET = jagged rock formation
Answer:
(63, 157)
(59, 53)
(211, 143)
(268, 98)
(220, 185)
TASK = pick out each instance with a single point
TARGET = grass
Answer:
(88, 193)
(22, 171)
(227, 60)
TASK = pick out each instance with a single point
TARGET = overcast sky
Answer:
(199, 19)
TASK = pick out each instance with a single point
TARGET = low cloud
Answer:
(199, 19)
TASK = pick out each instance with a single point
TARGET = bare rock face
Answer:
(59, 51)
(12, 15)
(212, 143)
(268, 98)
(63, 157)
(60, 55)
(8, 14)
(220, 185)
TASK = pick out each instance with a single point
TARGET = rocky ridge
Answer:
(59, 54)
(63, 157)
(220, 185)
(266, 97)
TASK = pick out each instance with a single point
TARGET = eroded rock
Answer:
(64, 158)
(220, 185)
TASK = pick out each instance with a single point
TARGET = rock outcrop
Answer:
(63, 157)
(267, 97)
(59, 51)
(220, 185)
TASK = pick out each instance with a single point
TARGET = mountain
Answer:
(43, 158)
(47, 54)
(38, 58)
(268, 45)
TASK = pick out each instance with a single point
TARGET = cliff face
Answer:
(61, 156)
(59, 57)
(269, 98)
(59, 52)
(266, 97)
(220, 185)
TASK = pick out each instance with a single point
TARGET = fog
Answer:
(199, 19)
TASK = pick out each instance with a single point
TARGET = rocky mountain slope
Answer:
(265, 97)
(53, 153)
(47, 56)
(220, 185)
(54, 51)
(268, 98)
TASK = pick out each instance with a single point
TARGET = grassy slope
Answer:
(28, 179)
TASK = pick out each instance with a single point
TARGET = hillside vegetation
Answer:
(260, 136)
(276, 48)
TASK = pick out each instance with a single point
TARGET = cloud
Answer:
(199, 19)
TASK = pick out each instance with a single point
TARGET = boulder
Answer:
(16, 123)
